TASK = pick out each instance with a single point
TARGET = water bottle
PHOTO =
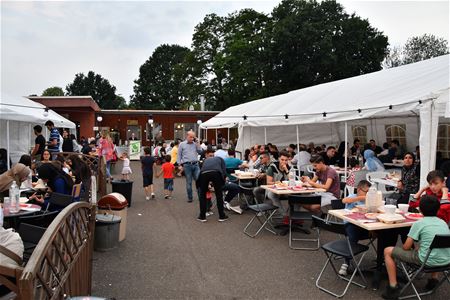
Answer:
(291, 177)
(1, 217)
(371, 199)
(14, 193)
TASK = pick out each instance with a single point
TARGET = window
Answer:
(396, 132)
(360, 132)
(180, 129)
(443, 140)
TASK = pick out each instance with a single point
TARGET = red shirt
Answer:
(444, 209)
(168, 170)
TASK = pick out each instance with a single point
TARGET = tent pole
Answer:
(206, 134)
(265, 136)
(345, 157)
(217, 142)
(228, 137)
(7, 145)
(298, 140)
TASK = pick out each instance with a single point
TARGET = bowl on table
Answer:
(403, 207)
(390, 209)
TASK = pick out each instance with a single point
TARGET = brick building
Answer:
(123, 124)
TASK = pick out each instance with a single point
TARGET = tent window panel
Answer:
(360, 132)
(396, 132)
(443, 140)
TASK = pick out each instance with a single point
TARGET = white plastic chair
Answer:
(381, 187)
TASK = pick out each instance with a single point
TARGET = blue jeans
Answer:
(108, 169)
(191, 172)
(233, 189)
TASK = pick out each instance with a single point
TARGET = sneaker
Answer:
(209, 213)
(228, 206)
(343, 270)
(286, 220)
(236, 209)
(147, 198)
(189, 200)
(431, 284)
(153, 195)
(166, 197)
(169, 197)
(223, 219)
(391, 293)
(201, 220)
(260, 214)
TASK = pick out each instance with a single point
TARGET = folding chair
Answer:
(263, 213)
(340, 249)
(246, 191)
(297, 215)
(440, 241)
(31, 236)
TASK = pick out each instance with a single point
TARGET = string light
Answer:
(245, 117)
(324, 115)
(390, 106)
(286, 116)
(360, 112)
(45, 112)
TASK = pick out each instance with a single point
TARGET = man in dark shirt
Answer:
(329, 157)
(374, 147)
(213, 170)
(39, 143)
(355, 149)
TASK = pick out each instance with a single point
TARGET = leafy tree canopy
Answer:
(53, 91)
(97, 87)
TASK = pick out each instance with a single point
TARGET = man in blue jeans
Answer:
(187, 160)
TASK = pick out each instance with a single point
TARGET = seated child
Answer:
(436, 187)
(423, 232)
(355, 233)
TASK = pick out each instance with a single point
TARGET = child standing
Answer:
(126, 170)
(147, 164)
(355, 233)
(423, 232)
(167, 170)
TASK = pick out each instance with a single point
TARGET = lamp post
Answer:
(150, 122)
(99, 120)
(201, 97)
(199, 122)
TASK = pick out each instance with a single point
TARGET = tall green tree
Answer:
(416, 49)
(316, 42)
(99, 88)
(160, 82)
(53, 91)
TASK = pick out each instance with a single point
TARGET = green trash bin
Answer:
(107, 228)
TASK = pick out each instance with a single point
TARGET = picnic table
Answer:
(386, 233)
(291, 190)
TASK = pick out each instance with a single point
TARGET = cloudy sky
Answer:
(46, 43)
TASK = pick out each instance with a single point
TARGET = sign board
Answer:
(134, 150)
(132, 122)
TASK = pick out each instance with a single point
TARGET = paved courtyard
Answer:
(169, 254)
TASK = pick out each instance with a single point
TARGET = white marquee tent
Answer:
(17, 118)
(416, 94)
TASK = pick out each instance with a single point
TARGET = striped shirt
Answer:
(54, 134)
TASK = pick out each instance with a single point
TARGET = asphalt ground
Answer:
(168, 254)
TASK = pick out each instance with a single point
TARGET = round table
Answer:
(13, 217)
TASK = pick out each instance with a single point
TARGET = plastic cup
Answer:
(390, 209)
(403, 207)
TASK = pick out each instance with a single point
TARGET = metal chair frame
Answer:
(263, 214)
(338, 228)
(304, 216)
(439, 241)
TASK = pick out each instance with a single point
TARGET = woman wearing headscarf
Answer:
(410, 182)
(57, 181)
(18, 173)
(372, 163)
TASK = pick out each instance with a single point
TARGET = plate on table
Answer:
(414, 216)
(371, 216)
(23, 199)
(361, 208)
(381, 210)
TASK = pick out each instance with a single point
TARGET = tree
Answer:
(313, 43)
(416, 49)
(160, 82)
(53, 91)
(97, 87)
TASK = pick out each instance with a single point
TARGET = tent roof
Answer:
(389, 92)
(24, 110)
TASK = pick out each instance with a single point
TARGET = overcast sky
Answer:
(45, 44)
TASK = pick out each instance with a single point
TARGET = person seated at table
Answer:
(423, 232)
(372, 164)
(302, 158)
(436, 187)
(291, 150)
(81, 172)
(329, 157)
(355, 233)
(18, 173)
(220, 152)
(325, 178)
(233, 163)
(57, 181)
(410, 182)
(356, 148)
(276, 172)
(46, 157)
(273, 150)
(13, 242)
